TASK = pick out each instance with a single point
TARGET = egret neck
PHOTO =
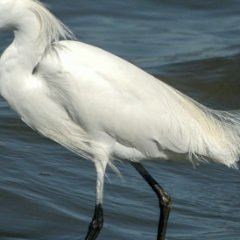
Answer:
(21, 57)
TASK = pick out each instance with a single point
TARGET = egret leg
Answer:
(96, 224)
(163, 197)
(97, 221)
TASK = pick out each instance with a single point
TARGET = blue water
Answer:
(47, 192)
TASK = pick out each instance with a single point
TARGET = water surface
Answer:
(48, 192)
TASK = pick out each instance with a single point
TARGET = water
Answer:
(47, 192)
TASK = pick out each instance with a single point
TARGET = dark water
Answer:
(47, 192)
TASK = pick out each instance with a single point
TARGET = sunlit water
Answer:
(47, 192)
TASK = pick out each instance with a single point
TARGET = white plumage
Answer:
(100, 106)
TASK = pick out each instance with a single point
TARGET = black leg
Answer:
(96, 225)
(163, 197)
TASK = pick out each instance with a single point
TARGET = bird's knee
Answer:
(97, 221)
(96, 224)
(166, 200)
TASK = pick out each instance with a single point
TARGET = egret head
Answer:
(10, 13)
(30, 16)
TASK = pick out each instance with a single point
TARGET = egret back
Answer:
(138, 116)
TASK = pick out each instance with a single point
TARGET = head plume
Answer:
(51, 29)
(21, 14)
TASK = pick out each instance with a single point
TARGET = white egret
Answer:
(102, 107)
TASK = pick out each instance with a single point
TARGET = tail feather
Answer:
(215, 134)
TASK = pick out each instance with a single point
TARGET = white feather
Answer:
(97, 104)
